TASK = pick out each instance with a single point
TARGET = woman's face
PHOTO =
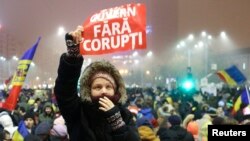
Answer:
(102, 87)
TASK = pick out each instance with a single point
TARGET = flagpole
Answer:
(248, 97)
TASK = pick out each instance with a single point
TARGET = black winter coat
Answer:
(83, 121)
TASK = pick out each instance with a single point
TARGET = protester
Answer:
(174, 131)
(99, 113)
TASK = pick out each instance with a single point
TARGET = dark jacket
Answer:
(174, 133)
(83, 120)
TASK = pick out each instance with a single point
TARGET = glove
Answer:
(73, 40)
(73, 49)
(114, 118)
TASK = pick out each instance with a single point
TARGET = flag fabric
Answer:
(232, 76)
(7, 81)
(243, 98)
(19, 77)
(21, 132)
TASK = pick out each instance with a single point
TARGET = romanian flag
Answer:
(232, 76)
(19, 77)
(243, 98)
(21, 132)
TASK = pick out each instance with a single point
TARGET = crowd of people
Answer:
(103, 109)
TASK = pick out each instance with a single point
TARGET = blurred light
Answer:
(61, 31)
(203, 33)
(148, 29)
(178, 46)
(200, 44)
(2, 58)
(148, 72)
(135, 53)
(190, 37)
(136, 61)
(149, 54)
(33, 64)
(210, 37)
(15, 58)
(244, 66)
(182, 43)
(37, 78)
(223, 35)
(0, 26)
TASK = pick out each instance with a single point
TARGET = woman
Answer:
(97, 113)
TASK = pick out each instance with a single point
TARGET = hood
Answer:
(101, 66)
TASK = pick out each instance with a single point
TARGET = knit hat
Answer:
(43, 128)
(104, 76)
(59, 130)
(29, 115)
(174, 120)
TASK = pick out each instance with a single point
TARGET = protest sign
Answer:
(115, 29)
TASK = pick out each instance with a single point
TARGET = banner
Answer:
(114, 30)
(19, 77)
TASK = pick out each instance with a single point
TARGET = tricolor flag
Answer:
(232, 76)
(19, 77)
(243, 98)
(21, 132)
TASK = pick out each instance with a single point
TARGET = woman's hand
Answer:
(77, 34)
(106, 104)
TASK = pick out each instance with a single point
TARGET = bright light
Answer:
(37, 78)
(223, 35)
(200, 44)
(150, 53)
(136, 61)
(148, 72)
(210, 37)
(135, 53)
(203, 33)
(2, 58)
(15, 58)
(33, 64)
(190, 37)
(61, 31)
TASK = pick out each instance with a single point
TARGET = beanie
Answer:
(59, 130)
(29, 115)
(43, 128)
(174, 120)
(106, 76)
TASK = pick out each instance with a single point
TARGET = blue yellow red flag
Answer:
(21, 132)
(19, 77)
(232, 76)
(244, 98)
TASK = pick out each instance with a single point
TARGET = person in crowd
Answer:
(59, 130)
(7, 125)
(29, 120)
(47, 114)
(43, 130)
(98, 112)
(173, 131)
(146, 130)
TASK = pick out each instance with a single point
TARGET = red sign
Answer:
(115, 29)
